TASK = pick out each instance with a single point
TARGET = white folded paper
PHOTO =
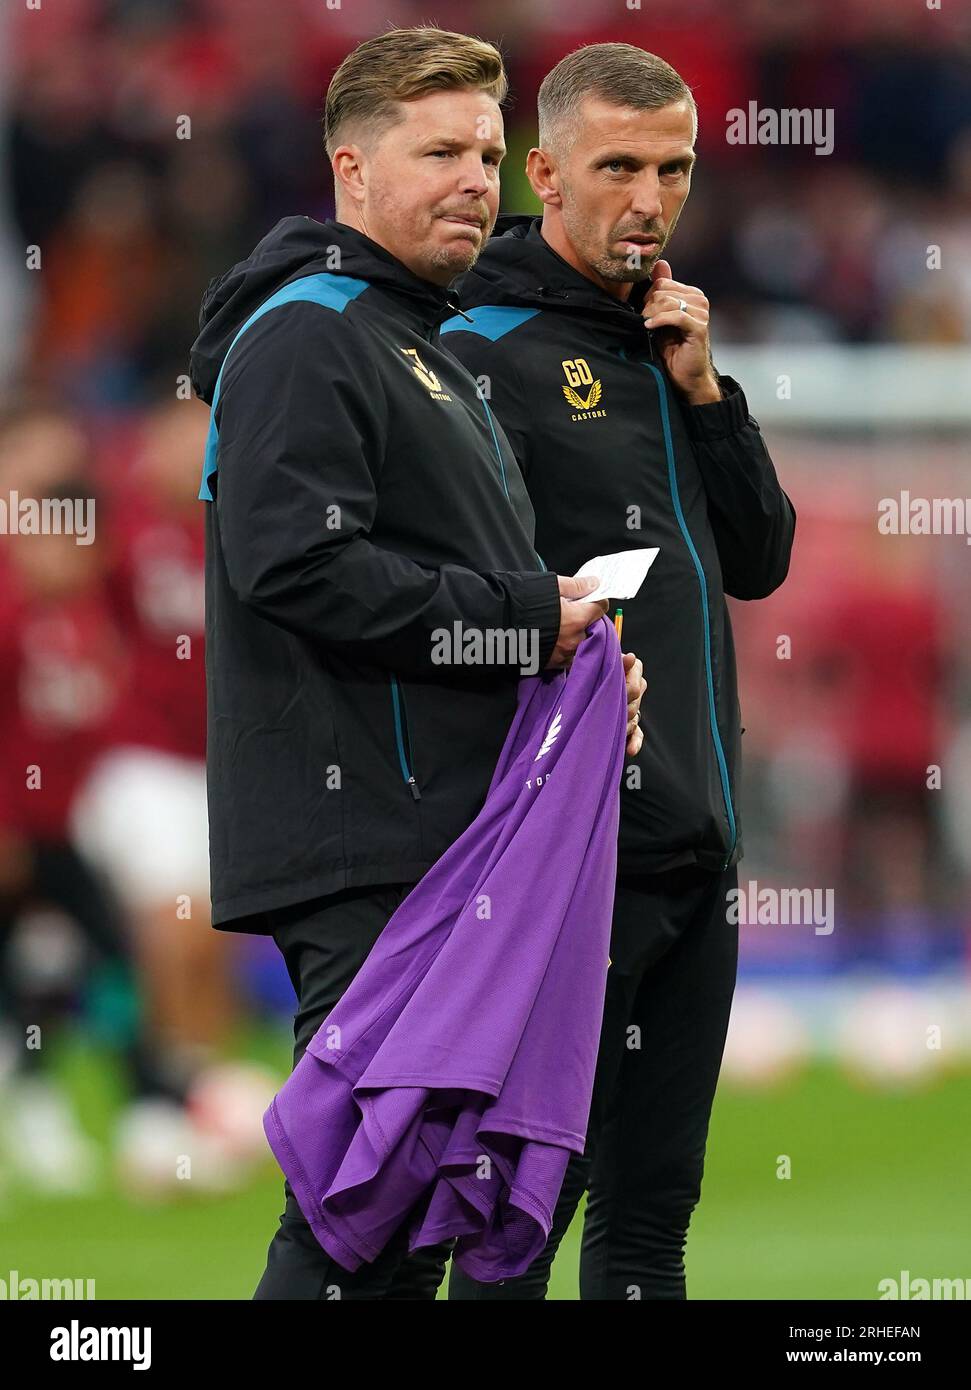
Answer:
(620, 575)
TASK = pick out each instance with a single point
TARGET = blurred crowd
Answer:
(148, 145)
(151, 143)
(103, 839)
(856, 696)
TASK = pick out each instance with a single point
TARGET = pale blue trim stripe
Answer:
(331, 291)
(492, 321)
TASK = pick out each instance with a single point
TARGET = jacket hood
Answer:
(517, 267)
(295, 247)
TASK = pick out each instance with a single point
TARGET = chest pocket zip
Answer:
(402, 734)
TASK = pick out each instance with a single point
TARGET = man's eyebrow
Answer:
(688, 157)
(452, 142)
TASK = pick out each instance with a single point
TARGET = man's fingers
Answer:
(668, 300)
(689, 292)
(586, 613)
(636, 686)
(675, 319)
(664, 303)
(674, 301)
(635, 682)
(572, 588)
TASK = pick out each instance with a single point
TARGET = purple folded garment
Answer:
(453, 1078)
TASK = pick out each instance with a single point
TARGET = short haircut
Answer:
(402, 65)
(614, 72)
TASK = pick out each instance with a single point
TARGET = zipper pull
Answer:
(413, 788)
(456, 310)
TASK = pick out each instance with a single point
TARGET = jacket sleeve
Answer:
(302, 422)
(752, 519)
(498, 379)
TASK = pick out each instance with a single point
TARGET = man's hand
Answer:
(683, 339)
(575, 617)
(636, 686)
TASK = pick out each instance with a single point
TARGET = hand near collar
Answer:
(682, 335)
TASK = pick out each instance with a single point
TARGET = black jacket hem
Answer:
(632, 864)
(246, 913)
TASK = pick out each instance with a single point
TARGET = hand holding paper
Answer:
(621, 575)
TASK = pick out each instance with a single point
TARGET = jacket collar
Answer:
(299, 246)
(419, 302)
(518, 267)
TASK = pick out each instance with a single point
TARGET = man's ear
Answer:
(350, 176)
(544, 177)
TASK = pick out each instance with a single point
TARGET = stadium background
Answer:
(852, 345)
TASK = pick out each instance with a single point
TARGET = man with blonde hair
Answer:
(361, 499)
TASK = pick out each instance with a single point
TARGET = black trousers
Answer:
(668, 998)
(324, 943)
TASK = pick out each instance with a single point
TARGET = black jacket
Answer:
(362, 497)
(613, 460)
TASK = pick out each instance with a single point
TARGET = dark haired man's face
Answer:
(429, 190)
(623, 184)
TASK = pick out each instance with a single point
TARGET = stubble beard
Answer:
(448, 259)
(614, 269)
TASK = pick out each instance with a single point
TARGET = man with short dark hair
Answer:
(597, 363)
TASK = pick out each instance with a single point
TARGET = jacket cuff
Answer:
(536, 604)
(718, 419)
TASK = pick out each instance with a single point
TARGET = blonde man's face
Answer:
(427, 189)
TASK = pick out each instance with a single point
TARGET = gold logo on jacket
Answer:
(578, 373)
(426, 376)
